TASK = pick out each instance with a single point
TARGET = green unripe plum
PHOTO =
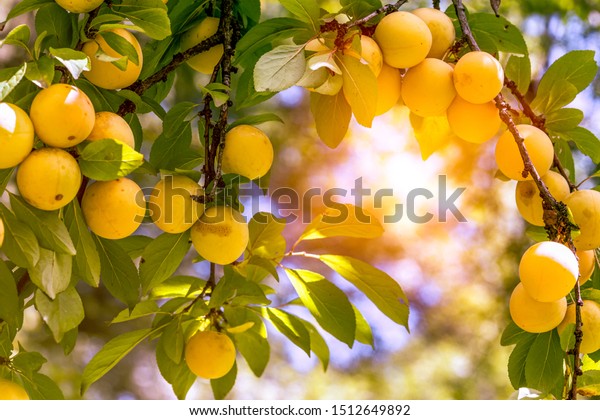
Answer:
(113, 209)
(171, 206)
(538, 145)
(206, 61)
(427, 88)
(442, 30)
(478, 77)
(529, 202)
(16, 135)
(49, 178)
(404, 39)
(533, 316)
(62, 115)
(248, 152)
(221, 235)
(475, 123)
(585, 206)
(548, 271)
(590, 317)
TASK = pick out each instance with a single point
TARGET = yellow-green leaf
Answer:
(332, 115)
(360, 88)
(589, 383)
(432, 133)
(343, 220)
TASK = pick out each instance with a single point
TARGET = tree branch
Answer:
(556, 217)
(387, 9)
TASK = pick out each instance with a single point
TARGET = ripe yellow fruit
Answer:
(1, 232)
(442, 30)
(533, 316)
(79, 6)
(371, 53)
(12, 391)
(248, 152)
(478, 77)
(106, 75)
(49, 178)
(587, 264)
(585, 206)
(16, 135)
(475, 123)
(204, 62)
(171, 206)
(427, 88)
(529, 202)
(389, 88)
(210, 354)
(538, 145)
(590, 317)
(62, 115)
(404, 39)
(221, 235)
(109, 125)
(548, 271)
(113, 209)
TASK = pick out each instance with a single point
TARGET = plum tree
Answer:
(404, 39)
(427, 88)
(113, 209)
(171, 205)
(210, 354)
(538, 145)
(109, 125)
(105, 72)
(548, 271)
(248, 152)
(534, 316)
(206, 61)
(49, 178)
(478, 77)
(16, 135)
(62, 115)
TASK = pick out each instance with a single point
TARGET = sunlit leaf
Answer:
(360, 89)
(332, 115)
(63, 313)
(279, 69)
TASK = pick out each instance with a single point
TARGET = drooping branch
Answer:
(556, 218)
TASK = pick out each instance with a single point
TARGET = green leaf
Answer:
(10, 78)
(41, 72)
(290, 326)
(87, 260)
(118, 272)
(332, 115)
(563, 119)
(111, 354)
(518, 69)
(149, 15)
(585, 140)
(75, 61)
(378, 286)
(52, 273)
(517, 360)
(588, 384)
(512, 334)
(26, 6)
(504, 36)
(565, 156)
(122, 46)
(10, 306)
(178, 375)
(254, 348)
(343, 220)
(266, 236)
(364, 334)
(359, 9)
(178, 286)
(222, 386)
(63, 313)
(318, 345)
(560, 94)
(20, 243)
(544, 363)
(360, 89)
(142, 309)
(134, 245)
(18, 36)
(47, 226)
(172, 340)
(567, 337)
(41, 387)
(69, 341)
(176, 137)
(162, 258)
(306, 10)
(5, 177)
(326, 302)
(58, 25)
(279, 69)
(255, 120)
(237, 290)
(28, 361)
(108, 159)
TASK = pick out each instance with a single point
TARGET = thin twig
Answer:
(387, 9)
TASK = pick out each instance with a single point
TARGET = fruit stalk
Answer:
(557, 223)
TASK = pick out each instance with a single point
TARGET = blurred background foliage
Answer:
(458, 276)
